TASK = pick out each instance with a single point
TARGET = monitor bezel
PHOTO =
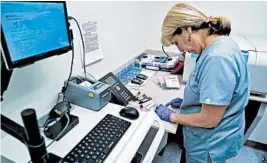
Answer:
(30, 60)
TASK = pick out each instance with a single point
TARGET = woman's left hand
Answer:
(164, 112)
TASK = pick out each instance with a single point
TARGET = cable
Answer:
(165, 52)
(80, 31)
(71, 66)
(68, 122)
(58, 96)
(83, 45)
(92, 77)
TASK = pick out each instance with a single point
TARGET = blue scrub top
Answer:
(220, 77)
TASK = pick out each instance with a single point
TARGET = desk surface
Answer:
(87, 121)
(159, 95)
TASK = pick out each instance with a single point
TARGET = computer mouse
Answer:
(130, 113)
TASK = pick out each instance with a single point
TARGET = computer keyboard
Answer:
(99, 142)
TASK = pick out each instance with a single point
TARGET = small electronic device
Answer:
(130, 113)
(141, 76)
(93, 97)
(53, 131)
(137, 81)
(154, 62)
(57, 112)
(60, 110)
(120, 94)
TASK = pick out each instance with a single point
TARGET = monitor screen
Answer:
(32, 31)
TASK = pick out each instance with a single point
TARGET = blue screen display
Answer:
(33, 28)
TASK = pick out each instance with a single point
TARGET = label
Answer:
(90, 94)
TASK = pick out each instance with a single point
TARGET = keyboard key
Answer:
(102, 155)
(97, 161)
(84, 161)
(70, 158)
(118, 135)
(97, 153)
(82, 156)
(87, 157)
(90, 161)
(91, 153)
(94, 157)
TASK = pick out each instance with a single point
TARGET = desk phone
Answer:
(120, 94)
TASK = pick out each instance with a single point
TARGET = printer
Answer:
(81, 91)
(255, 52)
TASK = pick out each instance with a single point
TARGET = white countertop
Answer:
(87, 121)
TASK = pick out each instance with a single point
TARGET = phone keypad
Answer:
(125, 95)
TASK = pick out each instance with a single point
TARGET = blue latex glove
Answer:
(175, 103)
(164, 112)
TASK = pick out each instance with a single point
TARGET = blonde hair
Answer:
(187, 15)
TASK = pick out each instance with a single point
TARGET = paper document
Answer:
(172, 81)
(93, 51)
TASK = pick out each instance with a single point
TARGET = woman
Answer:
(217, 92)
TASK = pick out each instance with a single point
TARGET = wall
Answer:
(246, 17)
(121, 34)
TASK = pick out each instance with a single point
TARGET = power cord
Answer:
(165, 52)
(83, 44)
(71, 67)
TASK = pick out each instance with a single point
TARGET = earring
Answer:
(189, 38)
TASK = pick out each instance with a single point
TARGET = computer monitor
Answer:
(32, 31)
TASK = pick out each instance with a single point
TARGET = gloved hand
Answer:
(175, 103)
(164, 112)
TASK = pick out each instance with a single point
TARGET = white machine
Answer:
(255, 49)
